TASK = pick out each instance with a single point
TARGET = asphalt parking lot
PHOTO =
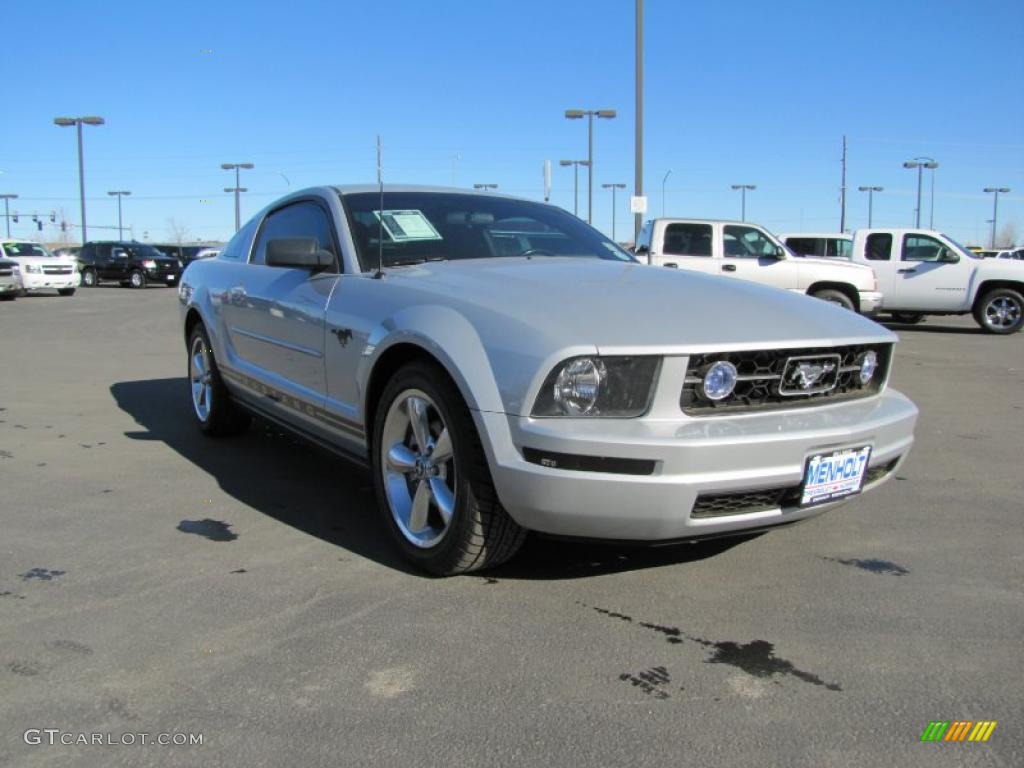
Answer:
(153, 581)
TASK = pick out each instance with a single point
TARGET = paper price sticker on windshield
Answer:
(831, 476)
(407, 226)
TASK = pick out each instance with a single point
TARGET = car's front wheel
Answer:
(1000, 311)
(432, 479)
(89, 278)
(833, 296)
(215, 414)
(137, 280)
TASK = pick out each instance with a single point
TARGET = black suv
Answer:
(128, 263)
(186, 254)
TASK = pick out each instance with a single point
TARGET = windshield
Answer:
(963, 251)
(139, 251)
(441, 226)
(25, 249)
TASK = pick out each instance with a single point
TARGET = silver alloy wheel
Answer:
(89, 278)
(418, 466)
(135, 278)
(200, 376)
(1003, 312)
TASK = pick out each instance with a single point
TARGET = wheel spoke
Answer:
(443, 498)
(416, 408)
(401, 459)
(442, 448)
(420, 508)
(198, 367)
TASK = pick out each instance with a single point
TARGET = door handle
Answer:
(906, 271)
(728, 267)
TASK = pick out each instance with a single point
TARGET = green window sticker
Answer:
(407, 226)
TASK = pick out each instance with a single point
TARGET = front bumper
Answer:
(161, 276)
(34, 281)
(7, 285)
(870, 302)
(693, 457)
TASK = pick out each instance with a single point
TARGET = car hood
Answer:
(632, 308)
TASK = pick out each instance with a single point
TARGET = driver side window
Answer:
(747, 243)
(922, 248)
(304, 219)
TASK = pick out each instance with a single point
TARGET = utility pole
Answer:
(613, 187)
(638, 138)
(842, 193)
(7, 210)
(995, 192)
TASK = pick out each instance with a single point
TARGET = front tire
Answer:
(89, 278)
(66, 291)
(214, 412)
(832, 296)
(431, 477)
(1000, 311)
(137, 280)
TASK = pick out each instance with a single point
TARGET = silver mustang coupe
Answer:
(502, 367)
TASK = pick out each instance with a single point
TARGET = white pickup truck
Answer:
(928, 273)
(748, 252)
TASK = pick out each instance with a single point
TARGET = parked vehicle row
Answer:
(502, 367)
(128, 263)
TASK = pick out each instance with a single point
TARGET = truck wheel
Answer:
(66, 291)
(137, 280)
(89, 278)
(1000, 311)
(908, 318)
(431, 477)
(215, 414)
(833, 296)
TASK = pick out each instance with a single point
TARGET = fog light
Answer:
(868, 366)
(719, 381)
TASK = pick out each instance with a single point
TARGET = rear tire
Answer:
(66, 291)
(215, 413)
(137, 280)
(89, 278)
(833, 296)
(445, 517)
(908, 318)
(1000, 311)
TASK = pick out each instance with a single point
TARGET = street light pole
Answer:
(638, 130)
(871, 192)
(7, 210)
(743, 198)
(590, 114)
(576, 182)
(237, 188)
(613, 187)
(663, 180)
(995, 192)
(78, 122)
(920, 163)
(119, 195)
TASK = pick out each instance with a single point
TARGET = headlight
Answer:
(149, 264)
(613, 387)
(719, 380)
(868, 367)
(180, 265)
(33, 268)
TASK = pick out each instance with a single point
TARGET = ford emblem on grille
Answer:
(809, 375)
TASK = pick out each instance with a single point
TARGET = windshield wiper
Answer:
(411, 262)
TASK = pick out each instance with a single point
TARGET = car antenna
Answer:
(380, 215)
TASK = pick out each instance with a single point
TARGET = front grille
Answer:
(6, 272)
(760, 378)
(57, 270)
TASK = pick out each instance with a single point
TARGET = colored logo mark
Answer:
(958, 730)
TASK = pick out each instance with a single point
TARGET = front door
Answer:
(925, 281)
(749, 254)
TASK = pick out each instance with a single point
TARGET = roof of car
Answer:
(352, 189)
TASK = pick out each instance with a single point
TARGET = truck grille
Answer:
(5, 272)
(765, 378)
(58, 270)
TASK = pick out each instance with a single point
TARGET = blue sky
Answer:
(741, 92)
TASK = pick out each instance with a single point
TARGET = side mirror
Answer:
(947, 256)
(641, 250)
(298, 253)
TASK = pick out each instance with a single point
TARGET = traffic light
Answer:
(39, 225)
(63, 226)
(15, 217)
(53, 217)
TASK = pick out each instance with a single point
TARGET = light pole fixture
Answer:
(576, 182)
(920, 163)
(743, 198)
(871, 193)
(579, 114)
(78, 122)
(237, 189)
(7, 210)
(995, 192)
(613, 187)
(119, 194)
(485, 187)
(663, 180)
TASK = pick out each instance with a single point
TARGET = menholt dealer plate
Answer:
(831, 476)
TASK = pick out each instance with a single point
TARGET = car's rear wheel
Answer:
(66, 291)
(832, 296)
(432, 480)
(908, 318)
(215, 413)
(1001, 310)
(137, 280)
(89, 278)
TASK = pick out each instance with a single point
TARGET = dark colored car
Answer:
(128, 263)
(186, 254)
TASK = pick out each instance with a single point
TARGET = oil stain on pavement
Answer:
(873, 565)
(214, 530)
(756, 658)
(42, 574)
(651, 681)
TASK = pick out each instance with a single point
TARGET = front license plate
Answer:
(831, 476)
(170, 278)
